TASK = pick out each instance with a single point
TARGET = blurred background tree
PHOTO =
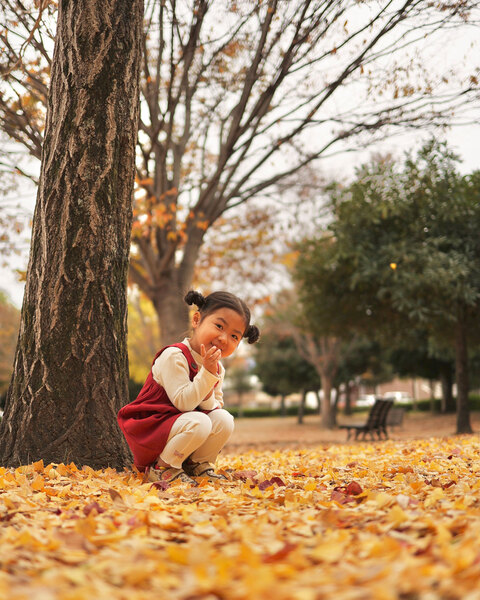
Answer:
(282, 370)
(238, 381)
(143, 336)
(9, 322)
(418, 356)
(406, 254)
(362, 359)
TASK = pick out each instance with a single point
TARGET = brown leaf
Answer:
(244, 475)
(93, 506)
(116, 497)
(354, 488)
(269, 482)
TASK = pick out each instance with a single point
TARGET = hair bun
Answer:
(196, 298)
(252, 334)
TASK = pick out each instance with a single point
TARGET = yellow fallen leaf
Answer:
(329, 552)
(397, 515)
(86, 526)
(434, 497)
(382, 499)
(178, 554)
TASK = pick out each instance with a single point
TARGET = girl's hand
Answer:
(210, 358)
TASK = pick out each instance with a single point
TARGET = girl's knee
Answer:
(199, 423)
(222, 420)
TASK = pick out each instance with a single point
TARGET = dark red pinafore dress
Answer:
(146, 422)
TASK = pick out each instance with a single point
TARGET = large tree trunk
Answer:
(172, 311)
(461, 368)
(71, 368)
(166, 285)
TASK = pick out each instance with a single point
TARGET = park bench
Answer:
(395, 416)
(376, 423)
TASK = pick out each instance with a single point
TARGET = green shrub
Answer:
(426, 405)
(474, 401)
(268, 412)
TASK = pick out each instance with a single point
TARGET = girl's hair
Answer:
(215, 300)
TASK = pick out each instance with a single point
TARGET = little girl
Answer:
(176, 427)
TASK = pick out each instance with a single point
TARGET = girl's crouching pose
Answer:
(176, 427)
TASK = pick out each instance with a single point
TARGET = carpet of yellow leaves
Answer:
(364, 521)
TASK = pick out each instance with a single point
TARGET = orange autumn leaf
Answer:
(145, 182)
(38, 483)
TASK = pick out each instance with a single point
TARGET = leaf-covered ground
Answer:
(363, 521)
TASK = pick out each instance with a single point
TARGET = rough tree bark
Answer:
(71, 366)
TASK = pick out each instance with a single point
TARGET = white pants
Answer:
(198, 435)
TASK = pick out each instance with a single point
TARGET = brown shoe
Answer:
(169, 474)
(204, 469)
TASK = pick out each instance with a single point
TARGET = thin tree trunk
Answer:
(414, 394)
(431, 385)
(328, 419)
(335, 407)
(461, 368)
(348, 398)
(446, 379)
(301, 407)
(283, 408)
(71, 367)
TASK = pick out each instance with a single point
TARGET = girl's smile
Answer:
(223, 329)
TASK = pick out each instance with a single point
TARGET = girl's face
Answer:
(223, 328)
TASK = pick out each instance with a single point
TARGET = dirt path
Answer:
(274, 433)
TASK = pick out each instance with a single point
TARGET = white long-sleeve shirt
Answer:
(171, 371)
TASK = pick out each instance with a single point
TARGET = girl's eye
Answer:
(218, 325)
(235, 337)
